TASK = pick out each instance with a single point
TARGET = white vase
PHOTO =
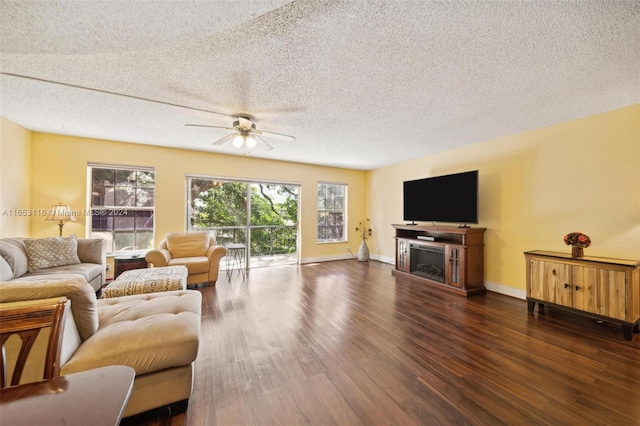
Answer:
(363, 252)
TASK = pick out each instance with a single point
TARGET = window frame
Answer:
(343, 211)
(110, 213)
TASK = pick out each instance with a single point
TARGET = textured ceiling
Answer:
(359, 84)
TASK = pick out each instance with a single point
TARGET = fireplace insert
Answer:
(427, 262)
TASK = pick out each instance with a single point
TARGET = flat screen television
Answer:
(449, 198)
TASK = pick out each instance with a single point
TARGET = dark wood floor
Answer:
(344, 343)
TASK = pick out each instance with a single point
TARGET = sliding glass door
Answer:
(261, 215)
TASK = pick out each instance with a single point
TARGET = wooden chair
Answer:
(27, 320)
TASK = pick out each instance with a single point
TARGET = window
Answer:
(122, 206)
(331, 212)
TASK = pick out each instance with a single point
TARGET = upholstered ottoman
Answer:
(148, 280)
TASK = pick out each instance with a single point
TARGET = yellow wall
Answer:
(535, 187)
(59, 165)
(15, 180)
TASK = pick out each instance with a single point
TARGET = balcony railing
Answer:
(266, 240)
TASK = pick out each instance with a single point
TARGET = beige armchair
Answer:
(198, 251)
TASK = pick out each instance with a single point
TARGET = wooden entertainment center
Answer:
(445, 257)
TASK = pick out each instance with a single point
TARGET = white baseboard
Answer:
(383, 259)
(346, 256)
(325, 258)
(507, 291)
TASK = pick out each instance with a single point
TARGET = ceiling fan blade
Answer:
(263, 144)
(277, 136)
(211, 127)
(225, 139)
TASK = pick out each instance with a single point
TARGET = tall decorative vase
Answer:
(363, 251)
(577, 251)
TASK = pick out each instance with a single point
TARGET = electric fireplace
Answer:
(427, 262)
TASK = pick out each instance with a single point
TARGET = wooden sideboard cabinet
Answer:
(445, 257)
(603, 288)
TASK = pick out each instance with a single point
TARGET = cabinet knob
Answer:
(577, 288)
(566, 285)
(553, 271)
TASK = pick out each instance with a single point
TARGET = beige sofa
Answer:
(156, 334)
(198, 251)
(28, 259)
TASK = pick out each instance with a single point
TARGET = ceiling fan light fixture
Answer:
(250, 142)
(238, 141)
(245, 135)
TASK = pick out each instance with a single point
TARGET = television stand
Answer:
(445, 257)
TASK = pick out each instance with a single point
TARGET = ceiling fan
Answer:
(246, 135)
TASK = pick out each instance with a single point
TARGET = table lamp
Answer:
(60, 213)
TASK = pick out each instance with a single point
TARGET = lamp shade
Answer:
(60, 213)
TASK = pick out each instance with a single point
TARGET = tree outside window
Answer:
(223, 207)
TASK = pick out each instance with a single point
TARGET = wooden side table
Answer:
(126, 263)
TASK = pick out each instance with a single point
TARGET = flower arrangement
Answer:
(577, 239)
(364, 229)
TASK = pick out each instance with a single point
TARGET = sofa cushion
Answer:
(91, 250)
(89, 271)
(188, 244)
(148, 332)
(45, 253)
(195, 265)
(14, 251)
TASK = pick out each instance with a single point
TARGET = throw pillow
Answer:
(49, 252)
